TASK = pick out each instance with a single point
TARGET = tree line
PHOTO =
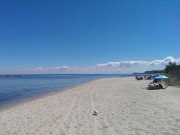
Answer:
(172, 70)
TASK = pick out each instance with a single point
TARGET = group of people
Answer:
(153, 85)
(149, 77)
(146, 77)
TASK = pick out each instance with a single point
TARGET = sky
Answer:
(97, 36)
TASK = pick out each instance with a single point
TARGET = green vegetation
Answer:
(173, 72)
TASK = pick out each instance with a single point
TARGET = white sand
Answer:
(125, 108)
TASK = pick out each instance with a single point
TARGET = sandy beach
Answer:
(125, 108)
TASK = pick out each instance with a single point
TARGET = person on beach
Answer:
(138, 78)
(150, 87)
(155, 87)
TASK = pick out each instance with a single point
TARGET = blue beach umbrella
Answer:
(161, 77)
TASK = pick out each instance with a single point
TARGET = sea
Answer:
(15, 88)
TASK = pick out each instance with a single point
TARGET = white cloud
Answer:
(59, 69)
(106, 68)
(62, 68)
(139, 63)
(163, 62)
(38, 69)
(178, 61)
(122, 64)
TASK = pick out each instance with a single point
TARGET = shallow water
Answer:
(14, 89)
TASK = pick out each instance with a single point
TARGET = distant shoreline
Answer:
(1, 76)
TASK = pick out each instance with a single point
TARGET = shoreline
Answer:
(42, 96)
(124, 105)
(10, 102)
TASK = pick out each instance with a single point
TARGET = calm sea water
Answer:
(15, 89)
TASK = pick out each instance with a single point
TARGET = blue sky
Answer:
(45, 35)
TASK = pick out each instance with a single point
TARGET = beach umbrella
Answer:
(161, 77)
